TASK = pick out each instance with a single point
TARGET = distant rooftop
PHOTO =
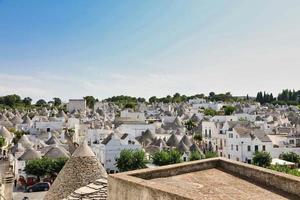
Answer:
(211, 179)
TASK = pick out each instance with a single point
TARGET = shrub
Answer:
(131, 160)
(166, 157)
(262, 159)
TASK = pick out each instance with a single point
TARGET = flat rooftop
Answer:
(219, 185)
(210, 179)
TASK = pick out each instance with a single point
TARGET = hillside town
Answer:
(91, 138)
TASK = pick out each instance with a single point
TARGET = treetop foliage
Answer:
(262, 159)
(131, 160)
(45, 166)
(166, 157)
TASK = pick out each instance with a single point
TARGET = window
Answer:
(264, 148)
(230, 135)
(237, 147)
(206, 133)
(232, 147)
(256, 148)
(228, 156)
(249, 148)
(292, 142)
(209, 133)
(237, 159)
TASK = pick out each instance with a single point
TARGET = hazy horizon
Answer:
(70, 49)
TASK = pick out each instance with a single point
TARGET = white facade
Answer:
(49, 126)
(136, 129)
(110, 151)
(76, 104)
(224, 118)
(127, 116)
(242, 148)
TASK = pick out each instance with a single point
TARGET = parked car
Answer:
(42, 186)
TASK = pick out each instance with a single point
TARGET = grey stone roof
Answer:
(57, 152)
(195, 148)
(159, 143)
(186, 141)
(25, 141)
(93, 191)
(17, 148)
(26, 120)
(81, 169)
(30, 154)
(5, 133)
(53, 140)
(182, 147)
(16, 120)
(146, 135)
(173, 141)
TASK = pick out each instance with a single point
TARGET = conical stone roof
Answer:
(17, 148)
(80, 170)
(16, 120)
(173, 141)
(25, 141)
(195, 148)
(26, 120)
(52, 141)
(30, 154)
(186, 141)
(5, 133)
(182, 147)
(57, 152)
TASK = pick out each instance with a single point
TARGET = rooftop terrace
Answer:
(205, 179)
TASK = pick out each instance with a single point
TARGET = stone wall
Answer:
(135, 185)
(266, 177)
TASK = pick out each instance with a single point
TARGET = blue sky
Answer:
(73, 48)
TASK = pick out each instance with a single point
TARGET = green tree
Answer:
(41, 102)
(153, 99)
(211, 154)
(90, 101)
(56, 101)
(45, 166)
(141, 100)
(197, 137)
(10, 100)
(175, 156)
(130, 105)
(190, 125)
(210, 112)
(229, 110)
(56, 165)
(131, 160)
(18, 134)
(2, 142)
(166, 157)
(27, 101)
(195, 155)
(262, 159)
(37, 167)
(285, 169)
(291, 157)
